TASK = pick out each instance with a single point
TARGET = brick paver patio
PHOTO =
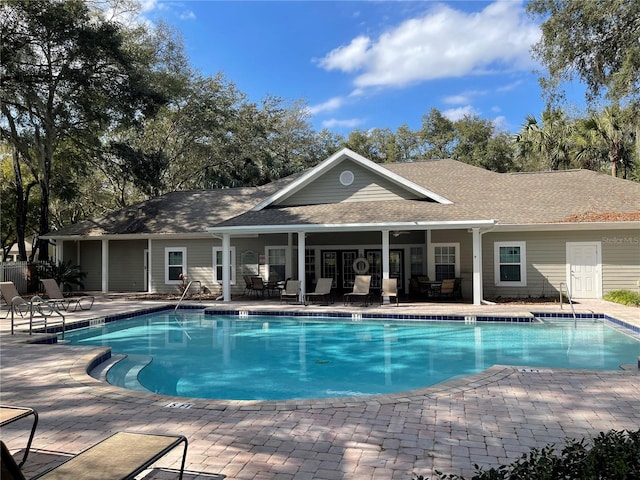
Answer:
(488, 418)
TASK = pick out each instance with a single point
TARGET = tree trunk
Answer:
(21, 209)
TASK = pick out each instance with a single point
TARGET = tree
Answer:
(595, 41)
(437, 134)
(613, 132)
(66, 75)
(546, 144)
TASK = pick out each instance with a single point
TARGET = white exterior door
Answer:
(584, 269)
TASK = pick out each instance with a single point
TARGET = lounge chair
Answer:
(361, 287)
(52, 290)
(322, 291)
(389, 289)
(16, 303)
(121, 456)
(291, 291)
(10, 414)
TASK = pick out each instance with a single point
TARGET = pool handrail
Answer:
(183, 295)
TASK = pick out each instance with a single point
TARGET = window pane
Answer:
(509, 254)
(445, 271)
(175, 258)
(509, 273)
(174, 273)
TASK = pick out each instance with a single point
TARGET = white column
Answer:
(288, 261)
(301, 265)
(385, 258)
(60, 252)
(150, 288)
(477, 266)
(226, 267)
(105, 266)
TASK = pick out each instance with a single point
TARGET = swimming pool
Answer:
(275, 358)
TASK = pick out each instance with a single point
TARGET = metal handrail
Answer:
(35, 305)
(183, 295)
(570, 301)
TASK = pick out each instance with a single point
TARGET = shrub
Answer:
(624, 297)
(66, 274)
(613, 455)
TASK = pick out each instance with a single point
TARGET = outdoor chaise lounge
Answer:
(291, 291)
(322, 291)
(10, 414)
(360, 290)
(389, 289)
(121, 456)
(9, 292)
(52, 290)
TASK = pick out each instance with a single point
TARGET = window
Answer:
(175, 264)
(444, 262)
(217, 265)
(510, 263)
(276, 262)
(417, 262)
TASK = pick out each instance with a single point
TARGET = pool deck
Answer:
(489, 418)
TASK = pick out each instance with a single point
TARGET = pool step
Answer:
(125, 372)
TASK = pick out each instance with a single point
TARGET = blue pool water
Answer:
(273, 358)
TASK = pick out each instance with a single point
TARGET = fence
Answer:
(17, 272)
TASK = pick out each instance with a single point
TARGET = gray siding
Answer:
(91, 262)
(367, 186)
(546, 261)
(126, 265)
(199, 262)
(620, 260)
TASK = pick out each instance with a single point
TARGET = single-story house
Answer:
(509, 235)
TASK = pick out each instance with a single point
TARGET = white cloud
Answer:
(187, 15)
(464, 97)
(444, 43)
(335, 123)
(329, 106)
(454, 114)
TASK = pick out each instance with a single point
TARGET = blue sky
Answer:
(368, 64)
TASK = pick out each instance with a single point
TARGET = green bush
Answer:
(66, 274)
(613, 456)
(624, 297)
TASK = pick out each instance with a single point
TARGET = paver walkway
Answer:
(489, 418)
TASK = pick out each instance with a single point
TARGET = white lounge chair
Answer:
(322, 291)
(389, 289)
(360, 290)
(291, 290)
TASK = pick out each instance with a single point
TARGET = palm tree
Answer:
(614, 131)
(546, 144)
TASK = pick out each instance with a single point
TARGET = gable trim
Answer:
(338, 157)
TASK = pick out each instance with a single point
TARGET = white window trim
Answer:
(432, 258)
(523, 264)
(232, 261)
(166, 264)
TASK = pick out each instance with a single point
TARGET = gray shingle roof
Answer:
(477, 194)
